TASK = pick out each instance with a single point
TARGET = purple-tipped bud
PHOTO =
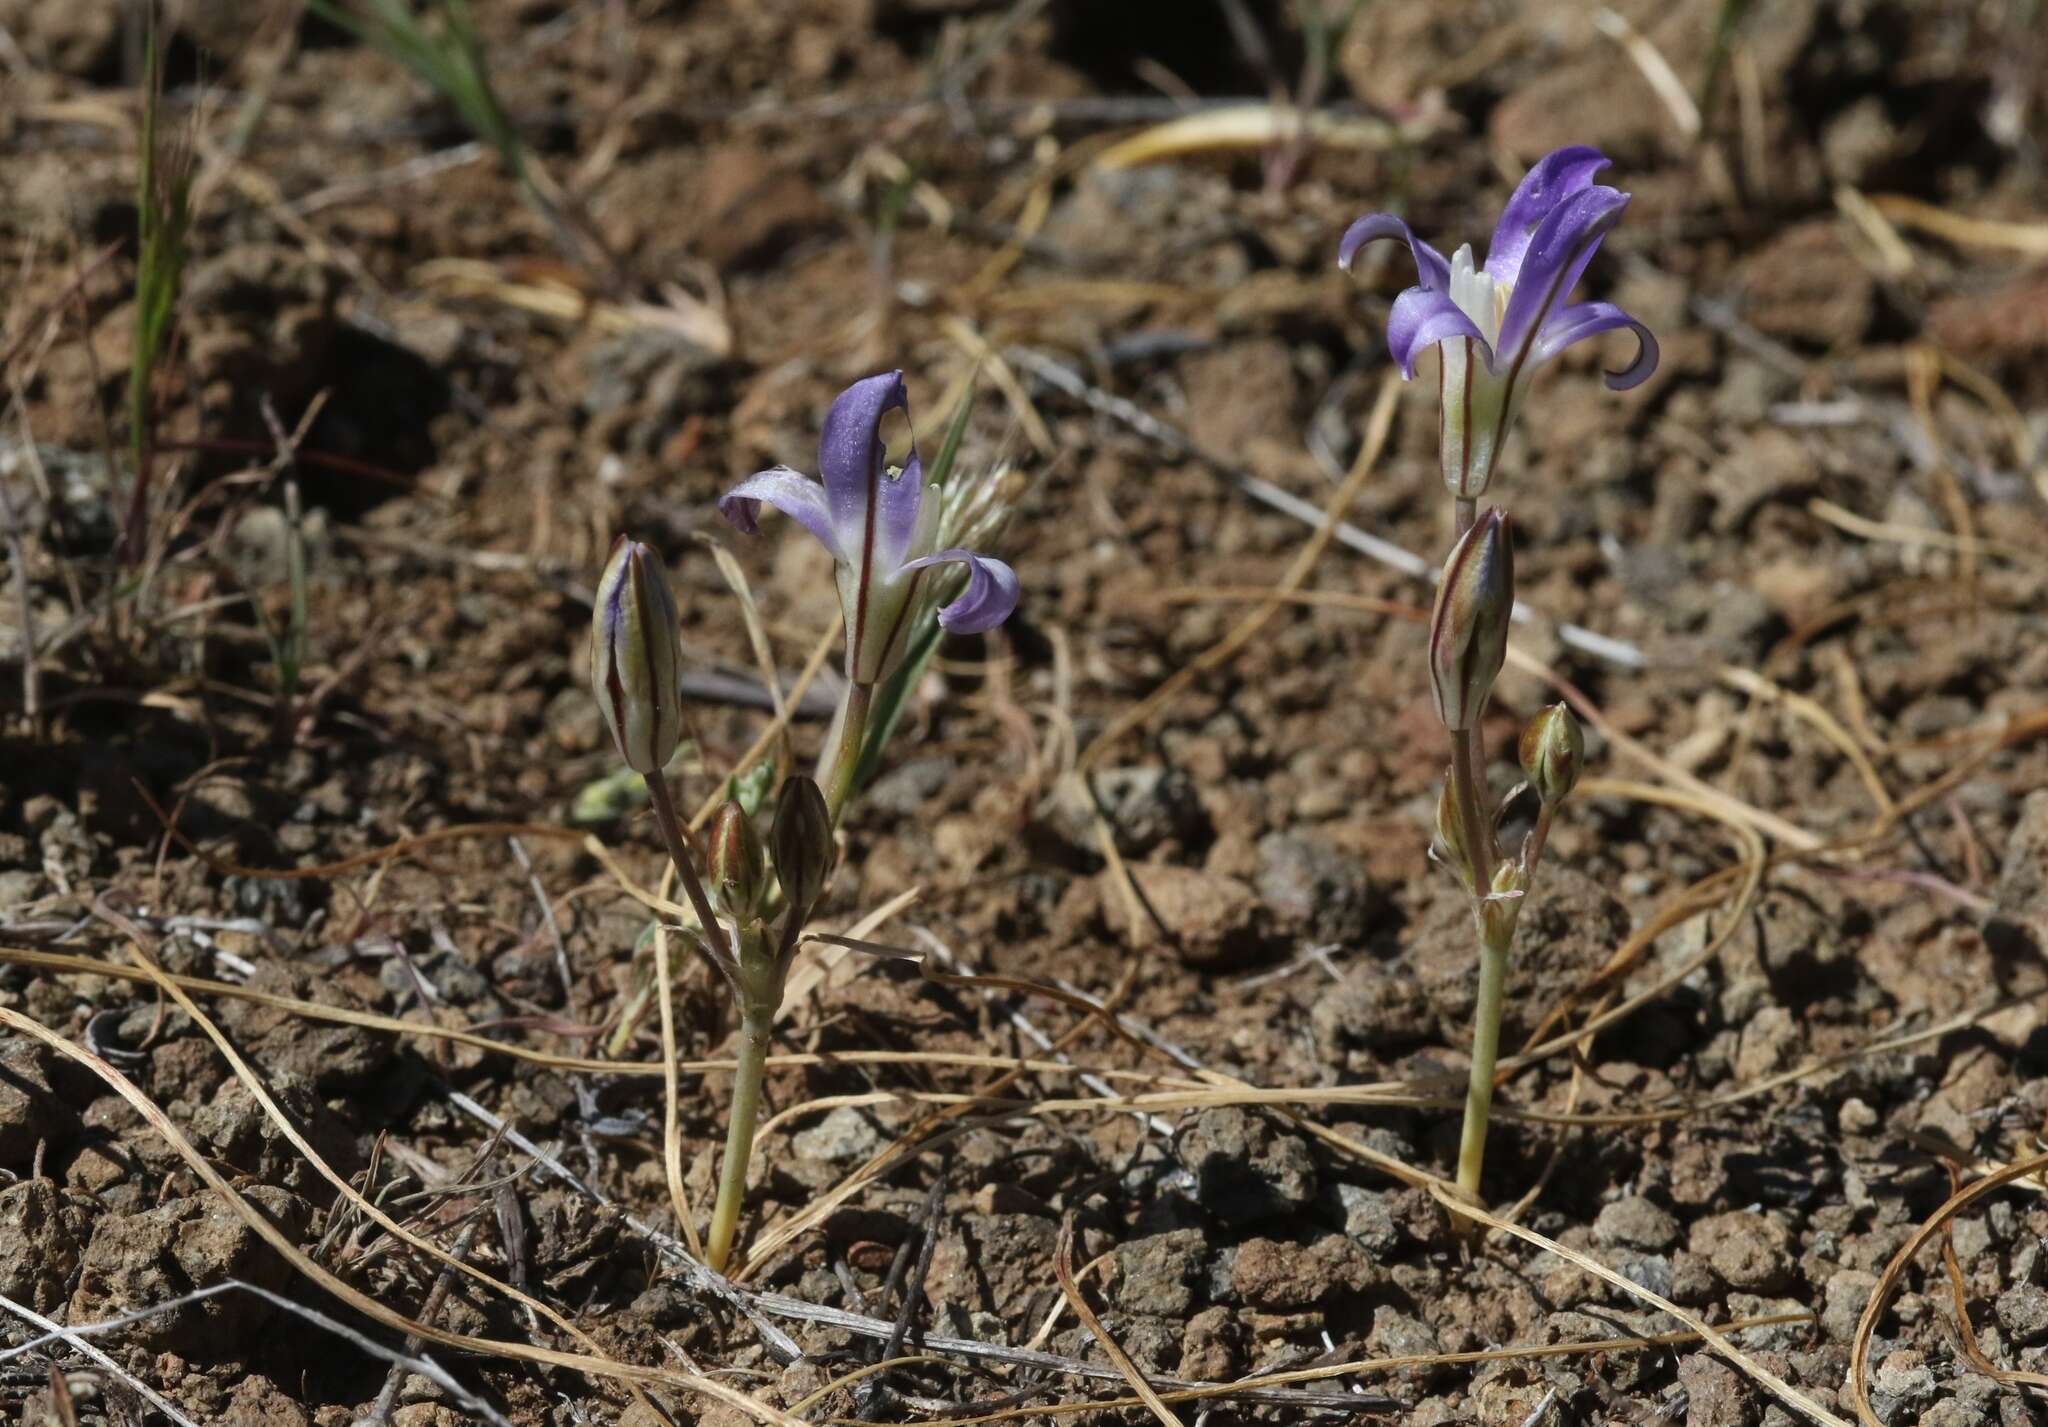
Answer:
(738, 868)
(1468, 632)
(803, 844)
(1553, 751)
(636, 657)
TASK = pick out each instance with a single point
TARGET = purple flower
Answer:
(1498, 323)
(883, 529)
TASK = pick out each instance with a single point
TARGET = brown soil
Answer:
(1821, 523)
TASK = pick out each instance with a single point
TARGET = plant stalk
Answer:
(686, 865)
(1472, 815)
(839, 768)
(1495, 936)
(757, 1026)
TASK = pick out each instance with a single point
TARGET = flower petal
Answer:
(850, 450)
(1430, 265)
(1556, 258)
(795, 495)
(874, 514)
(899, 504)
(1423, 317)
(1554, 178)
(991, 592)
(1589, 319)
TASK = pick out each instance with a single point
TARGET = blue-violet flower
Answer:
(882, 527)
(1495, 325)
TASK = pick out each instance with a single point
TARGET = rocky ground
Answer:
(1808, 895)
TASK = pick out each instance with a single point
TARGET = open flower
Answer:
(1495, 325)
(883, 528)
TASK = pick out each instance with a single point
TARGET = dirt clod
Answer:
(137, 1261)
(1747, 1251)
(1277, 1275)
(1637, 1223)
(1245, 1169)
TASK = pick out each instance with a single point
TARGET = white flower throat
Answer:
(1478, 296)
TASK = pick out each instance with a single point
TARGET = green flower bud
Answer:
(803, 844)
(636, 658)
(738, 868)
(1553, 751)
(1468, 632)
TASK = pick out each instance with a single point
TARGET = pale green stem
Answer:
(1495, 935)
(1472, 814)
(757, 1028)
(841, 763)
(686, 866)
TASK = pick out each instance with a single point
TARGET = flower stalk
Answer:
(839, 765)
(1492, 326)
(898, 544)
(757, 1030)
(747, 927)
(1486, 1016)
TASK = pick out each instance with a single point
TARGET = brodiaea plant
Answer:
(897, 537)
(1493, 326)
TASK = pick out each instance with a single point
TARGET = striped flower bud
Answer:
(738, 869)
(636, 658)
(803, 844)
(1553, 751)
(1468, 632)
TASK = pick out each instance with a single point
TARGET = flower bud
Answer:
(738, 869)
(803, 844)
(1468, 632)
(1553, 751)
(636, 658)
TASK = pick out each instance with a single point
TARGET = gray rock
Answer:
(32, 1107)
(844, 1134)
(1314, 888)
(909, 789)
(1716, 1395)
(1627, 1371)
(1245, 1169)
(141, 1261)
(1146, 807)
(1401, 1335)
(39, 1243)
(1160, 1274)
(1749, 1252)
(1378, 1007)
(1636, 1223)
(2023, 1312)
(1368, 1216)
(1904, 1377)
(1651, 1271)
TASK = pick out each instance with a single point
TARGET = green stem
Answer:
(1495, 935)
(757, 1026)
(837, 771)
(686, 865)
(1472, 813)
